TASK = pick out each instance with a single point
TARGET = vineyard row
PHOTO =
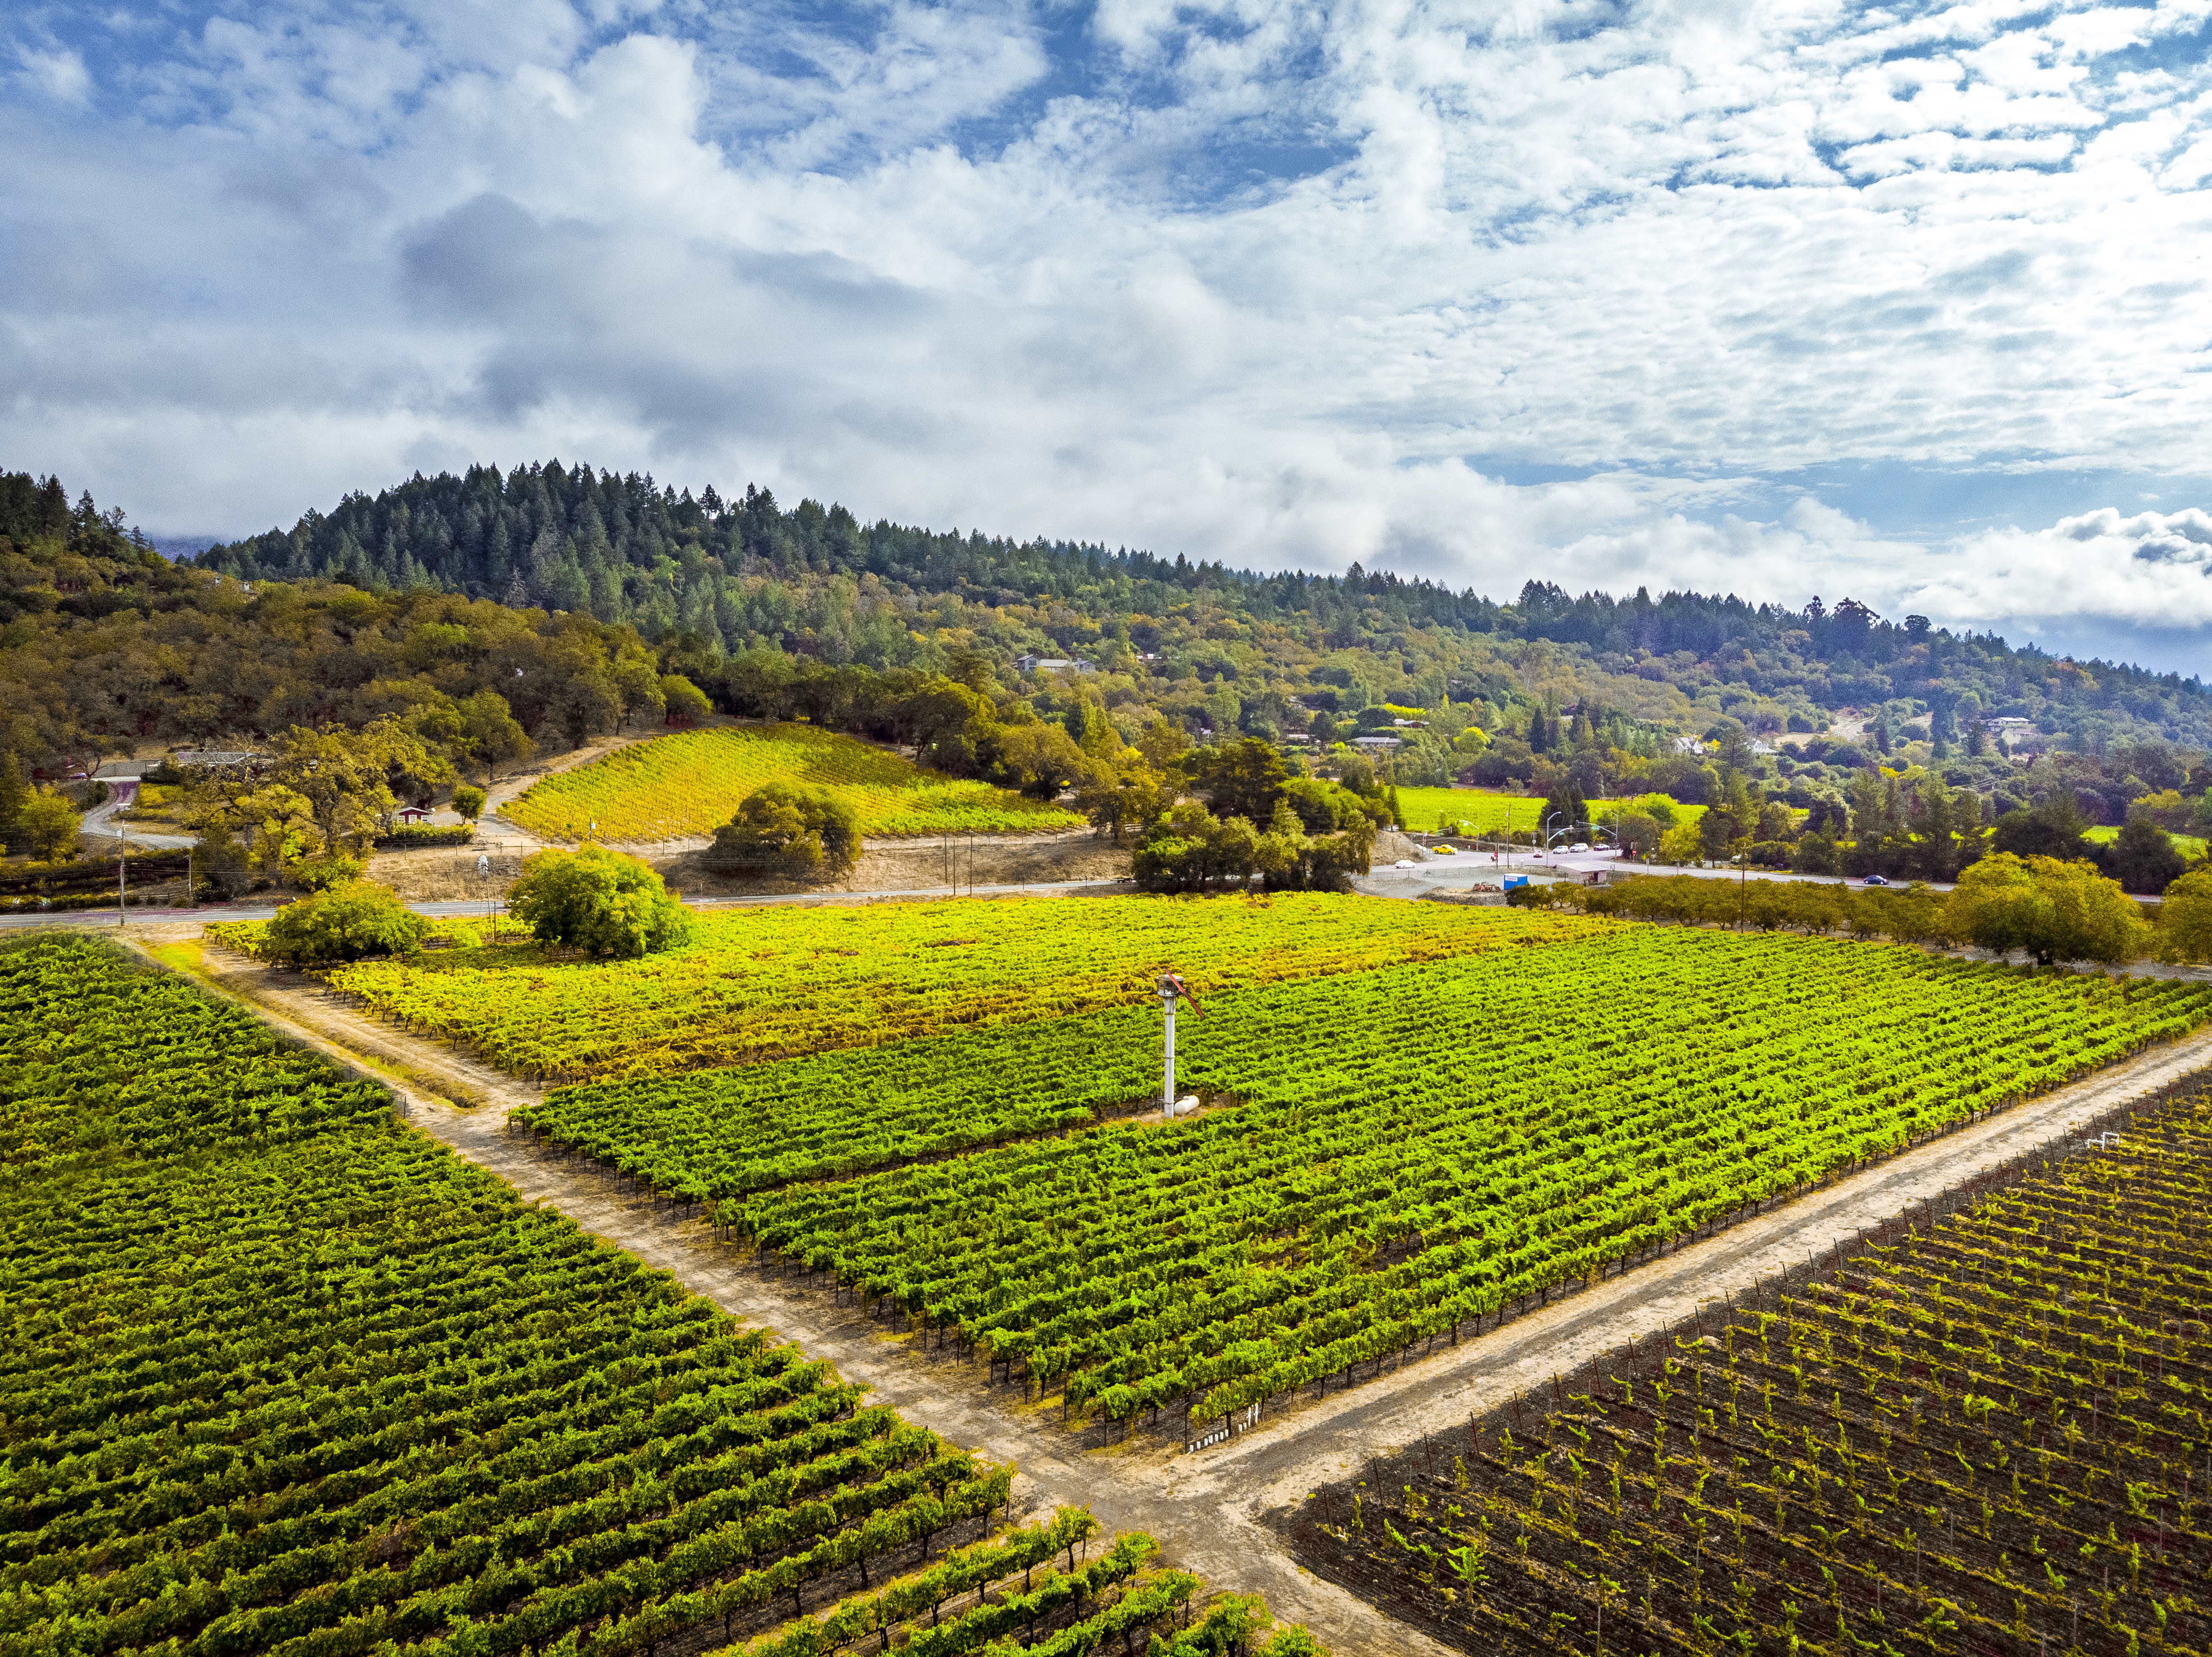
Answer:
(287, 1377)
(767, 983)
(1988, 1432)
(1415, 1148)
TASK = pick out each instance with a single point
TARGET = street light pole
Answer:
(122, 875)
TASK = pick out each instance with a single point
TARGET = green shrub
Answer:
(600, 902)
(414, 835)
(682, 700)
(2056, 911)
(49, 823)
(343, 923)
(2184, 919)
(321, 873)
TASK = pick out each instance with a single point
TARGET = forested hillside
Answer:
(746, 573)
(474, 619)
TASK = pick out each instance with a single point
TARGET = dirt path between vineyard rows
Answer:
(1211, 1511)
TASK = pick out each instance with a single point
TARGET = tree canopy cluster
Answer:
(1318, 833)
(812, 581)
(2054, 911)
(746, 573)
(790, 831)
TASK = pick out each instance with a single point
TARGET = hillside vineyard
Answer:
(692, 784)
(1414, 1131)
(287, 1376)
(1440, 1155)
(770, 983)
(1987, 1434)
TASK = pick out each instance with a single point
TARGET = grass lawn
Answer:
(2189, 845)
(1485, 812)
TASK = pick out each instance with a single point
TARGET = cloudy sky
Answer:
(1908, 303)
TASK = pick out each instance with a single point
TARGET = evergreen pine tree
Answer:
(499, 557)
(14, 789)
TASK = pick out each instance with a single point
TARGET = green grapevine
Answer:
(1412, 1148)
(287, 1376)
(761, 983)
(283, 1373)
(1987, 1434)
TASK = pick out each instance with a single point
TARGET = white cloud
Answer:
(961, 264)
(2149, 569)
(59, 73)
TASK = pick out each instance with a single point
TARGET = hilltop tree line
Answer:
(433, 606)
(746, 573)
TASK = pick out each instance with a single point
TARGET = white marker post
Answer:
(1171, 986)
(1168, 996)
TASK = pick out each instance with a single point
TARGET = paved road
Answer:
(1211, 1511)
(1462, 870)
(99, 819)
(1468, 866)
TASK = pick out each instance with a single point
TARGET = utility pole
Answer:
(122, 875)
